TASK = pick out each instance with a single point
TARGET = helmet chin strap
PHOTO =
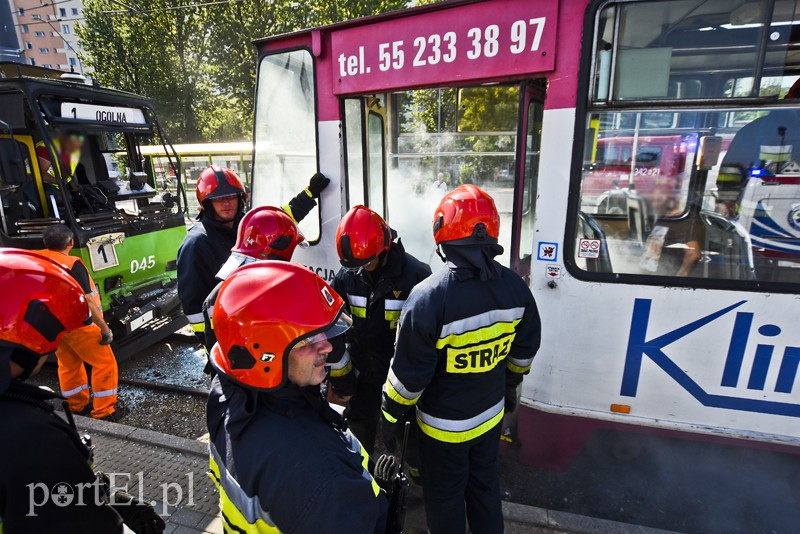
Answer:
(440, 253)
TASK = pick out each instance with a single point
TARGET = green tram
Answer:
(127, 231)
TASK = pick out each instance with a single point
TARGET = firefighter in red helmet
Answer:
(281, 457)
(265, 233)
(377, 276)
(39, 450)
(223, 200)
(466, 337)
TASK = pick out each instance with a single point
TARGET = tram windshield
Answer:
(706, 189)
(99, 176)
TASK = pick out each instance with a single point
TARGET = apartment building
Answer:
(46, 32)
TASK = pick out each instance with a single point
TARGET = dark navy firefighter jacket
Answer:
(462, 341)
(374, 301)
(283, 463)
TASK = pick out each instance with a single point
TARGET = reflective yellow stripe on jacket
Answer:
(358, 306)
(392, 309)
(342, 367)
(240, 512)
(459, 431)
(197, 322)
(479, 343)
(776, 153)
(399, 393)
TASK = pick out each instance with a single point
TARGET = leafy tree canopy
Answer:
(195, 61)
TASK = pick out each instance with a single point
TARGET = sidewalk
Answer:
(170, 472)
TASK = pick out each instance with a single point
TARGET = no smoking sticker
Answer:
(589, 248)
(547, 251)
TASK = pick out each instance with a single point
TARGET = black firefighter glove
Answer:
(511, 398)
(317, 184)
(139, 516)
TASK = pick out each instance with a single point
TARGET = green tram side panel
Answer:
(133, 256)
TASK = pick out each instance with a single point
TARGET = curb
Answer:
(513, 512)
(141, 435)
(574, 523)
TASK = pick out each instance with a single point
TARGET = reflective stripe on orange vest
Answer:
(69, 262)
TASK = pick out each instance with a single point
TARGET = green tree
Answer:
(158, 51)
(198, 64)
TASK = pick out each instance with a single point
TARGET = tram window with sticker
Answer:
(711, 191)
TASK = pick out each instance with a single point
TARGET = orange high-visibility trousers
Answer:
(83, 346)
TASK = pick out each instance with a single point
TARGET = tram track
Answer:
(164, 386)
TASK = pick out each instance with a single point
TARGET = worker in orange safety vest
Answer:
(90, 344)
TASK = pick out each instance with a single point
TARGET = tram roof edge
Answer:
(388, 15)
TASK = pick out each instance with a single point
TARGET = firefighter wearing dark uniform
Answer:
(208, 244)
(281, 457)
(376, 278)
(39, 451)
(265, 233)
(467, 335)
(768, 143)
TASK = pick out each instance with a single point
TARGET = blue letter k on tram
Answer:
(639, 346)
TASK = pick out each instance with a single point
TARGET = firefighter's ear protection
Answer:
(347, 251)
(39, 316)
(282, 243)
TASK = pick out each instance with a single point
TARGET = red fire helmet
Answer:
(218, 182)
(267, 233)
(466, 212)
(794, 91)
(361, 237)
(264, 310)
(41, 301)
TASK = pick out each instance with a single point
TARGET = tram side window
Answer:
(687, 49)
(285, 134)
(377, 162)
(711, 192)
(667, 212)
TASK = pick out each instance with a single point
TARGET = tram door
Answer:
(529, 140)
(405, 150)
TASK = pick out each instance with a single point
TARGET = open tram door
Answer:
(529, 138)
(404, 150)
